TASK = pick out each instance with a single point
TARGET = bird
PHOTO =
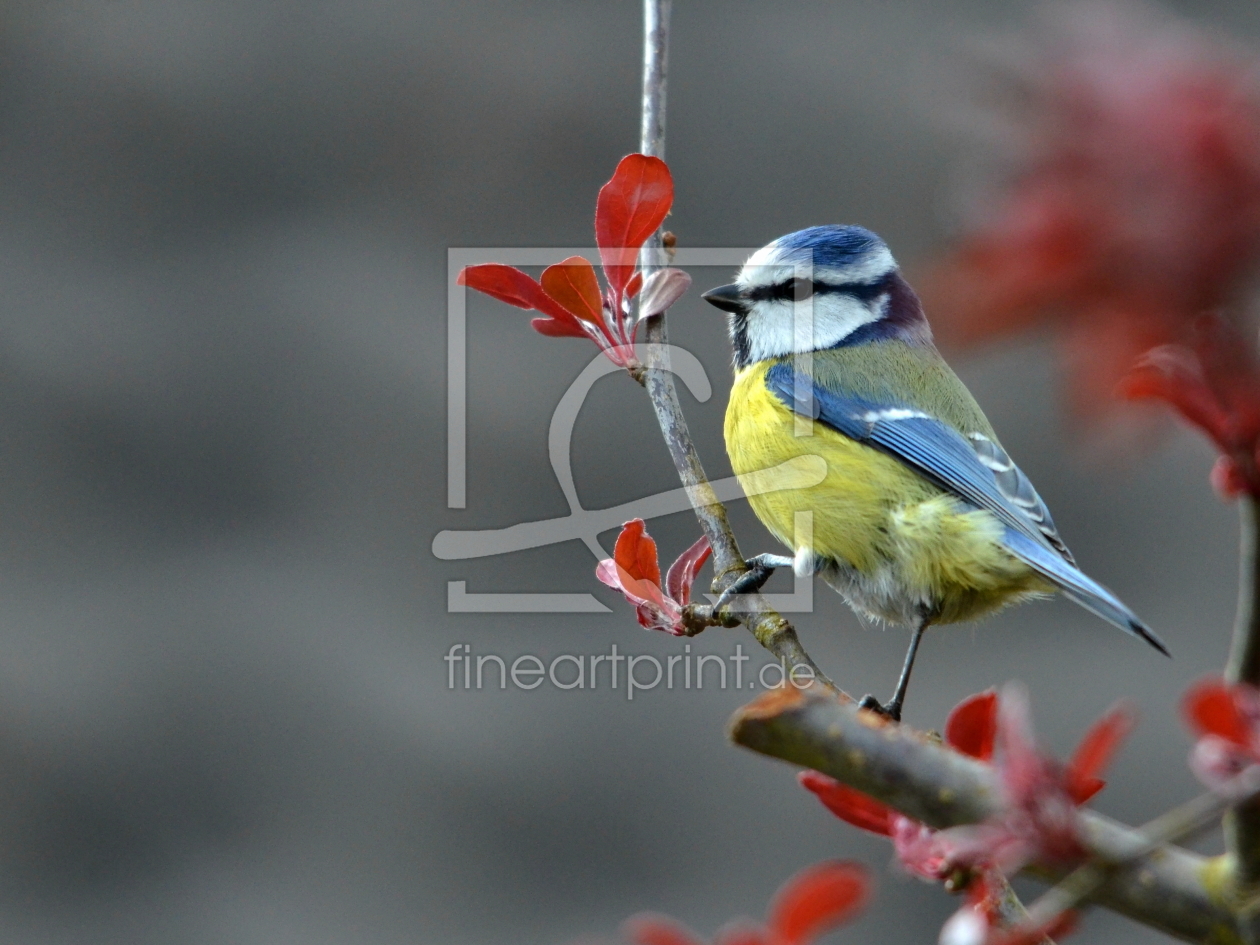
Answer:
(922, 518)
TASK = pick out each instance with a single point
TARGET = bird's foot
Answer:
(893, 709)
(871, 704)
(760, 567)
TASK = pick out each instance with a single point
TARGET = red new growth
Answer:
(816, 900)
(633, 570)
(970, 729)
(630, 208)
(1039, 797)
(1214, 384)
(1094, 753)
(972, 725)
(810, 904)
(1227, 720)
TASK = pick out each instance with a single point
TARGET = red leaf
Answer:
(573, 284)
(1082, 790)
(1173, 374)
(682, 573)
(972, 725)
(634, 571)
(816, 900)
(1094, 753)
(1211, 709)
(508, 284)
(630, 208)
(648, 928)
(635, 552)
(849, 804)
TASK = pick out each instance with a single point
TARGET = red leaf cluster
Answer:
(633, 569)
(1135, 204)
(810, 904)
(970, 729)
(1214, 384)
(1226, 719)
(630, 208)
(1038, 821)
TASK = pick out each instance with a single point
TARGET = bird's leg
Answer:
(893, 709)
(760, 567)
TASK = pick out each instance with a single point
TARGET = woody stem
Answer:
(1242, 826)
(1168, 888)
(770, 629)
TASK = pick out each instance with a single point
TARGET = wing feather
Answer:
(972, 467)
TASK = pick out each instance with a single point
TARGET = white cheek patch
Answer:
(779, 328)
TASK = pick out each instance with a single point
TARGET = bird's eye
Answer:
(800, 289)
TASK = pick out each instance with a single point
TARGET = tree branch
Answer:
(1169, 888)
(1242, 825)
(655, 75)
(1182, 821)
(769, 628)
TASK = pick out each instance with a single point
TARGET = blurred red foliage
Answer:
(1038, 820)
(810, 904)
(970, 729)
(1134, 207)
(1226, 719)
(1214, 384)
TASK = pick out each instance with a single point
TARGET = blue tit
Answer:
(922, 518)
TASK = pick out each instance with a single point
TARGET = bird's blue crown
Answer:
(832, 246)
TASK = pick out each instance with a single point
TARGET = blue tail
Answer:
(1078, 587)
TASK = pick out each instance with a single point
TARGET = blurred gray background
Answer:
(224, 715)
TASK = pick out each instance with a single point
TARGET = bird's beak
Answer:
(728, 298)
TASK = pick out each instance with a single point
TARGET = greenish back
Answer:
(901, 375)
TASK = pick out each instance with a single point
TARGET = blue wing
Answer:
(973, 468)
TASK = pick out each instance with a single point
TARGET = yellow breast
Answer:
(850, 507)
(907, 540)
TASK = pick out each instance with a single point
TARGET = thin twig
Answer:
(1177, 824)
(655, 76)
(1012, 912)
(1242, 826)
(769, 628)
(1166, 889)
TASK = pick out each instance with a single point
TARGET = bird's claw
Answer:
(871, 704)
(760, 567)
